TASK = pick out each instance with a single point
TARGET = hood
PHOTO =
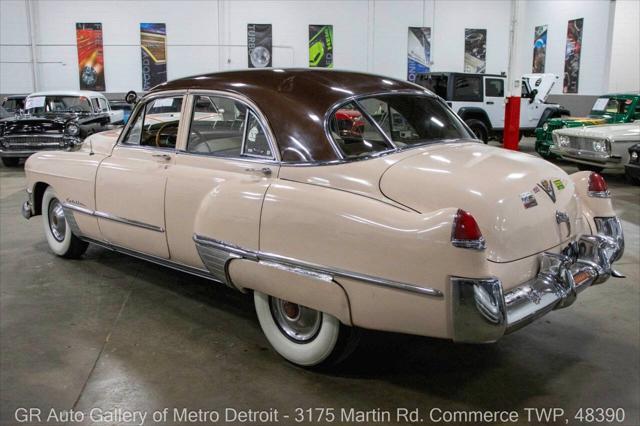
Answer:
(620, 132)
(543, 83)
(502, 189)
(576, 121)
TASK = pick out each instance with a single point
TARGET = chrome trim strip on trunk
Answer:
(311, 268)
(114, 218)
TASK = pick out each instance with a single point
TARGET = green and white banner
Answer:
(321, 46)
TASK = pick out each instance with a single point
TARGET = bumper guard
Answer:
(483, 312)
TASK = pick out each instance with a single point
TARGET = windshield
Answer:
(387, 122)
(606, 106)
(57, 104)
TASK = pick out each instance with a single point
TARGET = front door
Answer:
(494, 100)
(131, 184)
(220, 177)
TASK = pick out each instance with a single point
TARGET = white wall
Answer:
(369, 35)
(596, 39)
(624, 73)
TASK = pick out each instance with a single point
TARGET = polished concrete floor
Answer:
(111, 332)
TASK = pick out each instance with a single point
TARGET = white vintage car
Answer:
(597, 147)
(402, 223)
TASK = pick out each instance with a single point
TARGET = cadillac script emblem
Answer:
(547, 187)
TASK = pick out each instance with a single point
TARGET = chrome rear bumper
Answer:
(483, 312)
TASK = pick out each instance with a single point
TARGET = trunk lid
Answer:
(504, 190)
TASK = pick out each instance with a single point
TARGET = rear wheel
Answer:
(479, 129)
(10, 161)
(589, 168)
(302, 335)
(56, 228)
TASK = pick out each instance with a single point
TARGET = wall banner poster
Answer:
(539, 49)
(259, 45)
(475, 50)
(153, 48)
(321, 46)
(572, 56)
(418, 52)
(90, 56)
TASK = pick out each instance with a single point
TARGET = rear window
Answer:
(467, 88)
(382, 123)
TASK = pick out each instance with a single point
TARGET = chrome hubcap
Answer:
(297, 322)
(57, 223)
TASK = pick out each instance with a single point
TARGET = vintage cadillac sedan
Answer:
(407, 224)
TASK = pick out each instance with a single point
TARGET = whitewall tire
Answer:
(57, 230)
(301, 335)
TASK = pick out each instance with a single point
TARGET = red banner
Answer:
(90, 56)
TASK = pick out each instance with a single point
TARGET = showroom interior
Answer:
(105, 319)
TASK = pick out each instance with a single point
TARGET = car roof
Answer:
(85, 93)
(296, 101)
(15, 97)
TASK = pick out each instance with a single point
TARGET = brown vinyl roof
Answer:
(294, 101)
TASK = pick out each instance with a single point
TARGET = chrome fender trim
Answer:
(232, 251)
(111, 217)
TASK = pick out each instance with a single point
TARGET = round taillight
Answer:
(466, 232)
(597, 185)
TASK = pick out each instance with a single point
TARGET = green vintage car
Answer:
(607, 109)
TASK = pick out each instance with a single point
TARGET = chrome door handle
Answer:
(165, 157)
(265, 171)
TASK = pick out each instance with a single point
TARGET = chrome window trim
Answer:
(355, 98)
(250, 106)
(140, 106)
(312, 268)
(113, 218)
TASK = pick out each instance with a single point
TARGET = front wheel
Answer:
(10, 161)
(56, 228)
(302, 335)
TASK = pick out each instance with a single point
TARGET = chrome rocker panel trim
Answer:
(209, 244)
(483, 312)
(202, 273)
(111, 217)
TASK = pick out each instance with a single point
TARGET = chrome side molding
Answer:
(298, 266)
(111, 217)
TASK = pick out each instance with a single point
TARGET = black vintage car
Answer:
(53, 121)
(632, 170)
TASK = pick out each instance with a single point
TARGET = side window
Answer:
(494, 87)
(157, 124)
(104, 106)
(467, 88)
(218, 132)
(94, 104)
(354, 134)
(256, 143)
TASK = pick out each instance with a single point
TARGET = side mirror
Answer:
(131, 97)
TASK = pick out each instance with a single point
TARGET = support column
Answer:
(511, 133)
(32, 42)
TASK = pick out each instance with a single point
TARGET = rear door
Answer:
(222, 171)
(131, 183)
(494, 100)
